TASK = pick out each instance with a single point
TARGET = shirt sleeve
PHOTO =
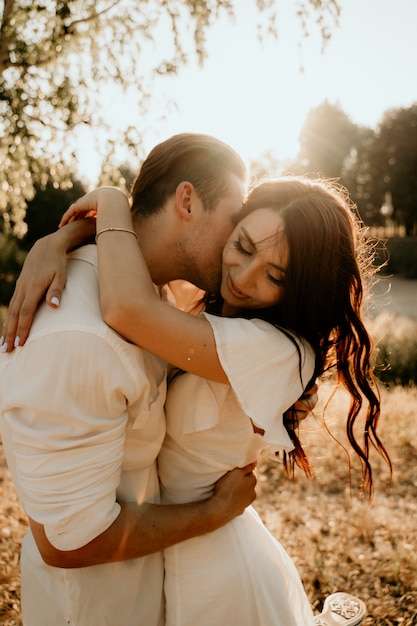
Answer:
(267, 370)
(66, 415)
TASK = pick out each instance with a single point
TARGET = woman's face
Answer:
(255, 259)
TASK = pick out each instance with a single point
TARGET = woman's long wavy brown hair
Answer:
(329, 266)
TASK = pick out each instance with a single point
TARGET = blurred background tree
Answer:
(381, 173)
(58, 61)
(44, 211)
(378, 166)
(57, 58)
(326, 139)
(11, 259)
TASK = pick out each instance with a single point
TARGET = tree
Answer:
(358, 176)
(326, 139)
(396, 154)
(383, 171)
(57, 56)
(121, 176)
(45, 210)
(266, 166)
(11, 259)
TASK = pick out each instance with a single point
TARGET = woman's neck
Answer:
(229, 311)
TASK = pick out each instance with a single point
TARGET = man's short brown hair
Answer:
(202, 160)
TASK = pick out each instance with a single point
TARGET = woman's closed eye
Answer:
(246, 249)
(280, 282)
(238, 245)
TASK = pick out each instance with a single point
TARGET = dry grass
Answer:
(341, 541)
(338, 541)
(12, 528)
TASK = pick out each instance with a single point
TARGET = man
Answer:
(82, 410)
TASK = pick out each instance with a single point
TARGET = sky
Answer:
(254, 96)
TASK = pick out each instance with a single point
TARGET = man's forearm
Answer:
(140, 530)
(137, 531)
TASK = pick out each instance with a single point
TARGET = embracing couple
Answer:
(137, 499)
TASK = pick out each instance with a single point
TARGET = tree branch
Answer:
(71, 27)
(4, 38)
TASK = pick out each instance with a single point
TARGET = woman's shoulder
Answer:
(256, 331)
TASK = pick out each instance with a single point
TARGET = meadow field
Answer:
(338, 539)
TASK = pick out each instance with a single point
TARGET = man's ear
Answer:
(184, 195)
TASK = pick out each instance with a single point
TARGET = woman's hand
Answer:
(44, 274)
(306, 403)
(87, 206)
(233, 492)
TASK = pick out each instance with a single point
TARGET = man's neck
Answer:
(155, 241)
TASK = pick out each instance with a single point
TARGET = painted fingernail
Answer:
(1, 340)
(55, 301)
(3, 348)
(17, 342)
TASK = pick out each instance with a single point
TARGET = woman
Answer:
(252, 366)
(252, 363)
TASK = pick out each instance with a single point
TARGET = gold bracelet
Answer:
(111, 228)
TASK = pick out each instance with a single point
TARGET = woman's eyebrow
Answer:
(248, 237)
(253, 244)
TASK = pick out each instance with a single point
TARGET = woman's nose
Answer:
(245, 274)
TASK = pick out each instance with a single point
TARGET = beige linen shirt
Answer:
(82, 422)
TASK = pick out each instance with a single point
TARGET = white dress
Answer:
(238, 575)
